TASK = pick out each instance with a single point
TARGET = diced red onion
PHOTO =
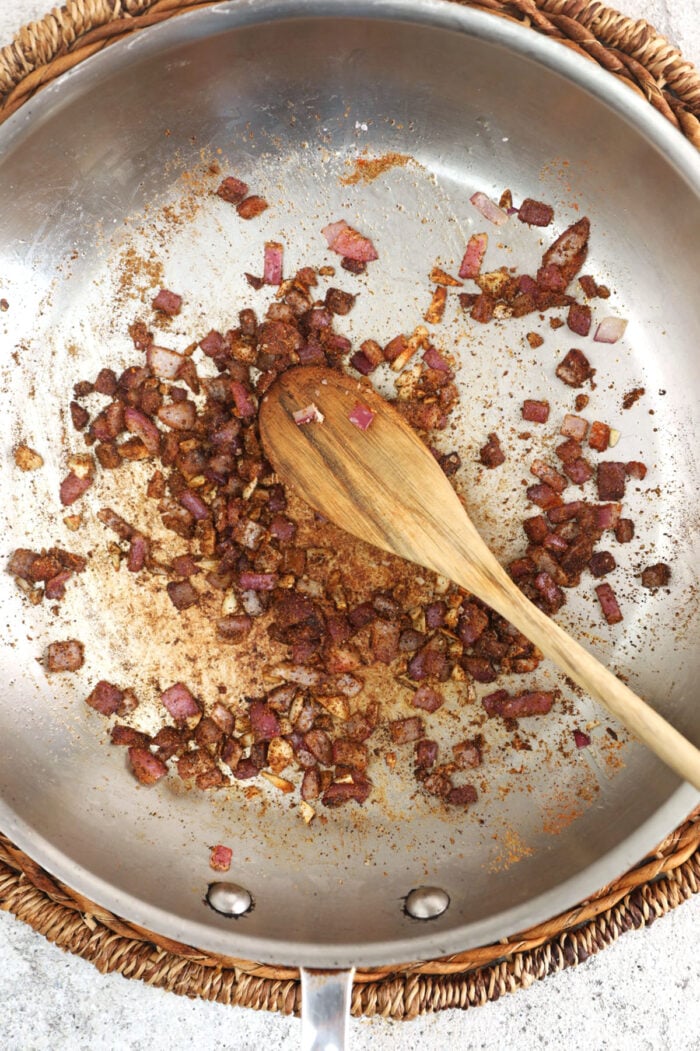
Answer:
(527, 285)
(609, 604)
(427, 698)
(339, 792)
(470, 267)
(223, 717)
(263, 721)
(311, 785)
(636, 469)
(610, 330)
(564, 513)
(361, 416)
(489, 209)
(310, 414)
(182, 594)
(232, 189)
(601, 563)
(536, 702)
(245, 406)
(550, 278)
(467, 754)
(426, 753)
(250, 581)
(578, 470)
(143, 427)
(579, 319)
(606, 516)
(195, 505)
(106, 698)
(535, 411)
(164, 363)
(568, 252)
(348, 242)
(435, 615)
(553, 542)
(138, 553)
(574, 427)
(581, 739)
(656, 576)
(535, 213)
(599, 436)
(148, 768)
(55, 588)
(72, 488)
(362, 363)
(434, 360)
(167, 301)
(220, 858)
(272, 268)
(462, 795)
(493, 702)
(610, 479)
(180, 416)
(549, 589)
(543, 495)
(404, 731)
(179, 702)
(548, 475)
(311, 353)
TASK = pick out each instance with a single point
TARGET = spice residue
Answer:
(367, 169)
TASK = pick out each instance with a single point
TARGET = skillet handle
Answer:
(325, 1009)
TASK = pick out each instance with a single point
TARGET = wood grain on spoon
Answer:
(384, 486)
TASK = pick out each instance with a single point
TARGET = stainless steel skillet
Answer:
(289, 93)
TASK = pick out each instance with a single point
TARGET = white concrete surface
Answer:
(642, 994)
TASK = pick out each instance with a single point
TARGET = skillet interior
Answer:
(85, 173)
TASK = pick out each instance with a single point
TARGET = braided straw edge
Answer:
(648, 63)
(631, 50)
(661, 882)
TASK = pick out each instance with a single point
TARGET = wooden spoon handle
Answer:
(497, 589)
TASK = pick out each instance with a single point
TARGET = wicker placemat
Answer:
(635, 53)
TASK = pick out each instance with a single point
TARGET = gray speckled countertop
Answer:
(642, 994)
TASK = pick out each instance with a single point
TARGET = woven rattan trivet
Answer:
(638, 55)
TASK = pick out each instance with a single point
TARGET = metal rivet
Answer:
(229, 899)
(426, 903)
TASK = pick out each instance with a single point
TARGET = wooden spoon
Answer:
(384, 486)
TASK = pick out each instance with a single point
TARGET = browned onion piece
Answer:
(147, 768)
(143, 427)
(179, 416)
(263, 721)
(656, 576)
(232, 190)
(404, 731)
(357, 788)
(106, 698)
(168, 302)
(182, 594)
(575, 368)
(535, 411)
(568, 252)
(65, 656)
(164, 363)
(73, 487)
(608, 603)
(180, 703)
(427, 698)
(462, 795)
